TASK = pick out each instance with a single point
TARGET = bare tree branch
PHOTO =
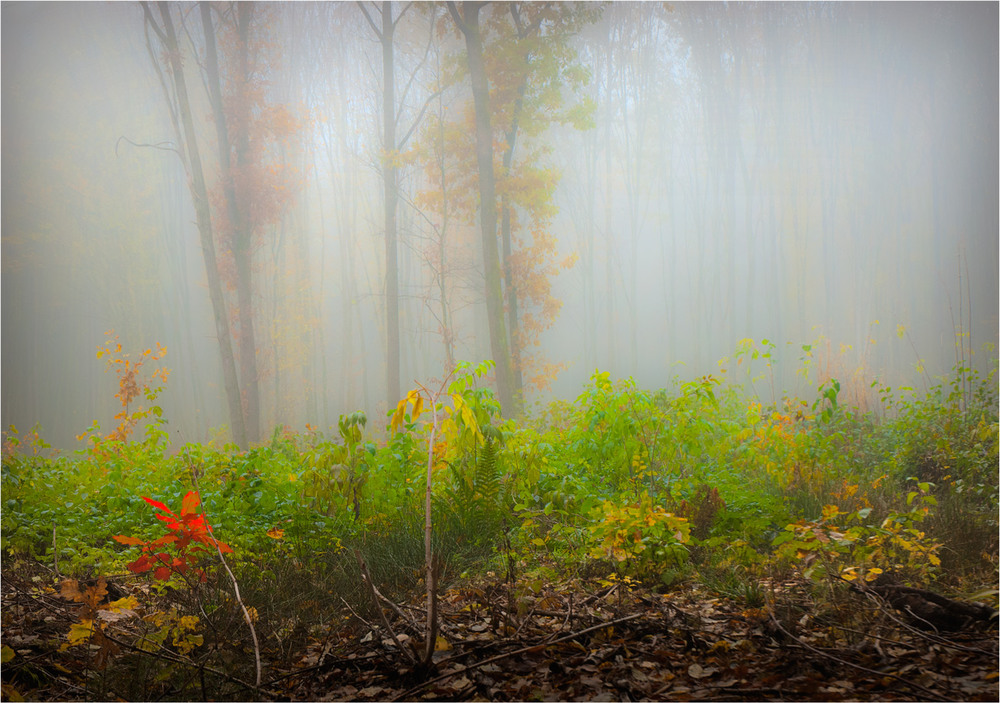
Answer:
(378, 32)
(159, 145)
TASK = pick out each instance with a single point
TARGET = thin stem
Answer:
(236, 585)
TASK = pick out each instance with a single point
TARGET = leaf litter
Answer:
(573, 640)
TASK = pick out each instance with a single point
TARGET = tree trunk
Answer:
(237, 220)
(199, 194)
(609, 234)
(446, 317)
(469, 24)
(513, 320)
(242, 244)
(391, 195)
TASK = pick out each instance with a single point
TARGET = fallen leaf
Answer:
(459, 683)
(695, 671)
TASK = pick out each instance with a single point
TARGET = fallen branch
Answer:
(167, 655)
(920, 633)
(929, 694)
(366, 577)
(408, 694)
(930, 611)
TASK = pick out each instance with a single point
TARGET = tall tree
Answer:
(467, 21)
(256, 183)
(532, 64)
(385, 31)
(237, 216)
(530, 70)
(254, 186)
(184, 126)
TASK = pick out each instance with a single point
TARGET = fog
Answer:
(686, 176)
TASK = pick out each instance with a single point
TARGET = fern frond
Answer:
(487, 478)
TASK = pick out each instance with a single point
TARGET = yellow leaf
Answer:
(80, 632)
(418, 406)
(126, 603)
(397, 417)
(275, 533)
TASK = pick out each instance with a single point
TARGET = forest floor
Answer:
(578, 639)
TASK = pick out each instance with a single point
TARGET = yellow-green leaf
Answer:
(397, 417)
(126, 603)
(80, 632)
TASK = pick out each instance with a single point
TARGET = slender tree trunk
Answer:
(242, 242)
(203, 216)
(391, 194)
(237, 220)
(512, 312)
(469, 24)
(590, 273)
(447, 320)
(513, 321)
(609, 210)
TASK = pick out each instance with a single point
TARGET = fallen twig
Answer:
(408, 694)
(366, 577)
(931, 695)
(166, 654)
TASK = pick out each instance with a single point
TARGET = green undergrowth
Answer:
(697, 481)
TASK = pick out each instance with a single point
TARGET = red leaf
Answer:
(162, 573)
(171, 521)
(140, 565)
(191, 501)
(165, 539)
(157, 504)
(212, 542)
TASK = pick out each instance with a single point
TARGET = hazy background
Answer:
(795, 172)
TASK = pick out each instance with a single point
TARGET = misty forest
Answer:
(500, 351)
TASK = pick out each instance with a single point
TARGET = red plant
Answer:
(189, 535)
